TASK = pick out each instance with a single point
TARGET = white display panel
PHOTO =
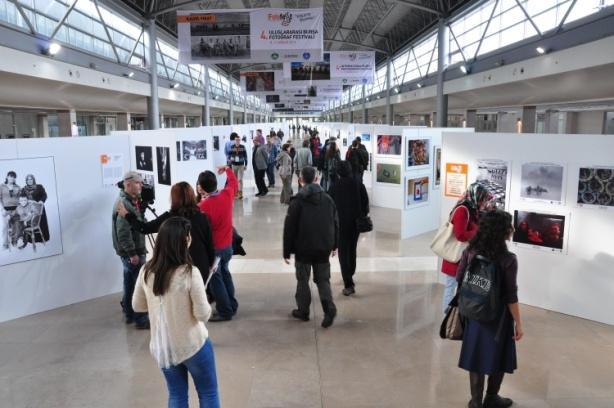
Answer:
(577, 281)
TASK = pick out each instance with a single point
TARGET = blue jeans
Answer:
(131, 273)
(201, 367)
(270, 173)
(449, 291)
(221, 286)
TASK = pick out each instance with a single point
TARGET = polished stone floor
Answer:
(383, 350)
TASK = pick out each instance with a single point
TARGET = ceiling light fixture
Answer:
(52, 49)
(540, 50)
(129, 74)
(419, 85)
(175, 86)
(396, 89)
(464, 69)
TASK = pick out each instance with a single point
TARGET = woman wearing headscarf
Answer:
(464, 217)
(36, 192)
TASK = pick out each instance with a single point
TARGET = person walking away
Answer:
(360, 159)
(464, 217)
(172, 291)
(272, 152)
(183, 204)
(312, 243)
(329, 169)
(352, 202)
(228, 147)
(238, 161)
(303, 159)
(284, 162)
(489, 347)
(260, 163)
(217, 205)
(129, 245)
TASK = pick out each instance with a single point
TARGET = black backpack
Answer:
(480, 291)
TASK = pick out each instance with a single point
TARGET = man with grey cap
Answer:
(129, 244)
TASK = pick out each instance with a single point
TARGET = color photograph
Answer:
(418, 152)
(389, 145)
(30, 226)
(493, 175)
(596, 186)
(546, 231)
(164, 165)
(260, 81)
(417, 191)
(311, 71)
(365, 137)
(388, 173)
(542, 182)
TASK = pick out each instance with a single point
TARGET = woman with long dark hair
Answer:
(172, 291)
(489, 348)
(464, 216)
(329, 168)
(183, 204)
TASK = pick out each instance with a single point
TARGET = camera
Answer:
(148, 193)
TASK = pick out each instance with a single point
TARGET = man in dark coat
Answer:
(312, 244)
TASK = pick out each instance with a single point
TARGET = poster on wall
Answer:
(417, 191)
(178, 150)
(30, 226)
(254, 35)
(112, 166)
(596, 187)
(539, 230)
(389, 145)
(388, 173)
(418, 155)
(144, 158)
(456, 179)
(493, 175)
(216, 145)
(164, 165)
(542, 182)
(437, 167)
(195, 150)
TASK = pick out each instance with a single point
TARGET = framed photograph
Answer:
(542, 182)
(195, 149)
(178, 146)
(596, 187)
(365, 137)
(30, 226)
(540, 230)
(388, 173)
(418, 153)
(494, 175)
(437, 167)
(389, 145)
(417, 191)
(216, 145)
(164, 165)
(144, 158)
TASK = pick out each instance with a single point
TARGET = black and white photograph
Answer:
(596, 186)
(148, 179)
(163, 161)
(389, 145)
(542, 182)
(260, 81)
(30, 226)
(195, 149)
(144, 158)
(178, 146)
(493, 174)
(216, 145)
(539, 230)
(418, 153)
(311, 71)
(222, 36)
(437, 167)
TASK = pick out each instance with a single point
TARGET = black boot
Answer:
(476, 382)
(493, 400)
(330, 312)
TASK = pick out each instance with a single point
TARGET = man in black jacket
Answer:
(311, 233)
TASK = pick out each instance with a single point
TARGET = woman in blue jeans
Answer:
(171, 289)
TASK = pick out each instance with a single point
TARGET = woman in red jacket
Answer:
(464, 217)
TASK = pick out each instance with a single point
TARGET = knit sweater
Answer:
(186, 310)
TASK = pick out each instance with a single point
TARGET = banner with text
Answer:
(340, 67)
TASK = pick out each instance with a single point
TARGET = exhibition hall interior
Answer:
(307, 203)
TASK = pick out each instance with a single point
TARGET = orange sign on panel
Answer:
(456, 179)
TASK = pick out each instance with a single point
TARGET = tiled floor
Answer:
(383, 350)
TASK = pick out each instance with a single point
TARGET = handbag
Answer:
(364, 224)
(453, 324)
(446, 245)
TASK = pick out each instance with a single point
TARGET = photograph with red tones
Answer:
(538, 229)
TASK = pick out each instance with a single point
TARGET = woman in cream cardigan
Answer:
(173, 292)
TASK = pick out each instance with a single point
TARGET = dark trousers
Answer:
(131, 273)
(348, 241)
(259, 176)
(321, 277)
(358, 176)
(222, 287)
(270, 173)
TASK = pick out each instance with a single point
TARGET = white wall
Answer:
(88, 267)
(581, 281)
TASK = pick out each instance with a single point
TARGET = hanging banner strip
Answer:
(339, 67)
(250, 35)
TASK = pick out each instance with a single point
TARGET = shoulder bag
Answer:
(446, 245)
(453, 325)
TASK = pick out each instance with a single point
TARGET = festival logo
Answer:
(284, 18)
